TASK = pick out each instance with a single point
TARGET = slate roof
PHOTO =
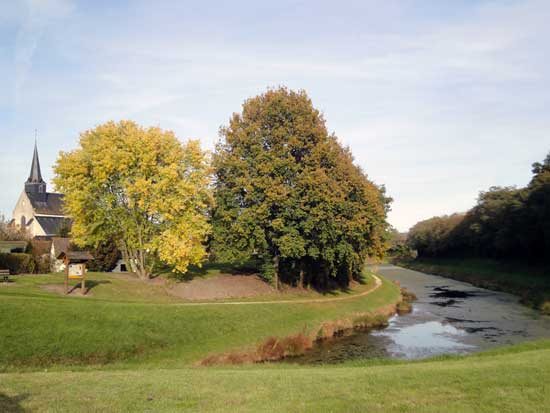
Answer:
(60, 245)
(51, 225)
(76, 256)
(35, 175)
(47, 204)
(41, 247)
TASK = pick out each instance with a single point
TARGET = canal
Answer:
(449, 317)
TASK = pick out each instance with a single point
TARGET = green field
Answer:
(128, 322)
(130, 346)
(530, 282)
(510, 380)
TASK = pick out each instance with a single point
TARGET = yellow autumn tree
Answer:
(142, 188)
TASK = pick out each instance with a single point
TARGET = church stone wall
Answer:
(23, 208)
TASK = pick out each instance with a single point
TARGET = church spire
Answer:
(35, 183)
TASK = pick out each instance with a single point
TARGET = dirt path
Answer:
(222, 287)
(377, 284)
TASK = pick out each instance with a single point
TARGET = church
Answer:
(38, 211)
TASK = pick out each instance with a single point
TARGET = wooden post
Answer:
(83, 288)
(276, 267)
(66, 275)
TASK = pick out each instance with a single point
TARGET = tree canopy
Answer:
(506, 222)
(141, 188)
(287, 192)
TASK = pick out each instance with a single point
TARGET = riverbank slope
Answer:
(511, 379)
(531, 283)
(124, 322)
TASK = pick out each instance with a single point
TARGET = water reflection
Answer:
(423, 340)
(449, 317)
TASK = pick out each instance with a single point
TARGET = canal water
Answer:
(449, 317)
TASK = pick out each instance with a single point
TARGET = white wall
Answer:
(23, 207)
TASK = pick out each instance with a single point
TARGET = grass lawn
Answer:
(530, 282)
(507, 380)
(125, 323)
(130, 346)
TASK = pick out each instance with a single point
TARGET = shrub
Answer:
(42, 264)
(403, 308)
(17, 263)
(545, 308)
(267, 271)
(296, 345)
(408, 296)
(334, 329)
(106, 255)
(368, 321)
(271, 349)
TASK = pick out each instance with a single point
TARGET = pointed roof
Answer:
(35, 176)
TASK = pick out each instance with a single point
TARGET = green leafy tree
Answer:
(141, 188)
(506, 222)
(537, 205)
(287, 192)
(433, 237)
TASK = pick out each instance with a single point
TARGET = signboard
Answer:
(76, 270)
(75, 267)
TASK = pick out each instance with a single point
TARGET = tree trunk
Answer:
(141, 264)
(301, 274)
(350, 275)
(276, 271)
(136, 260)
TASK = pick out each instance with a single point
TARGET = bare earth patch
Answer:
(223, 286)
(60, 289)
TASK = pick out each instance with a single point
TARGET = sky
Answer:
(437, 100)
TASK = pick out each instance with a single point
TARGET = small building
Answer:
(13, 246)
(38, 211)
(120, 266)
(59, 245)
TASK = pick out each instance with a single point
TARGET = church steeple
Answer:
(35, 183)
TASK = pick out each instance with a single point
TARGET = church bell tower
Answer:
(35, 184)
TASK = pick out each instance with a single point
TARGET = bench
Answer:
(6, 275)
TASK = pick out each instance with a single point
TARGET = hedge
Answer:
(17, 263)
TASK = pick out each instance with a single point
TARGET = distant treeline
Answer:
(507, 222)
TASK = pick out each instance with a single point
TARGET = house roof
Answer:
(41, 246)
(51, 225)
(7, 246)
(76, 256)
(46, 204)
(60, 245)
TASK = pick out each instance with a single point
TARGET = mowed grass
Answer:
(125, 323)
(508, 380)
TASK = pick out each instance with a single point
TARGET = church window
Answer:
(23, 221)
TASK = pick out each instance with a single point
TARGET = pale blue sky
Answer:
(437, 99)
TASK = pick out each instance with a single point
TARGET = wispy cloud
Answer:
(38, 15)
(437, 102)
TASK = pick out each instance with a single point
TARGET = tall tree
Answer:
(506, 222)
(141, 188)
(288, 192)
